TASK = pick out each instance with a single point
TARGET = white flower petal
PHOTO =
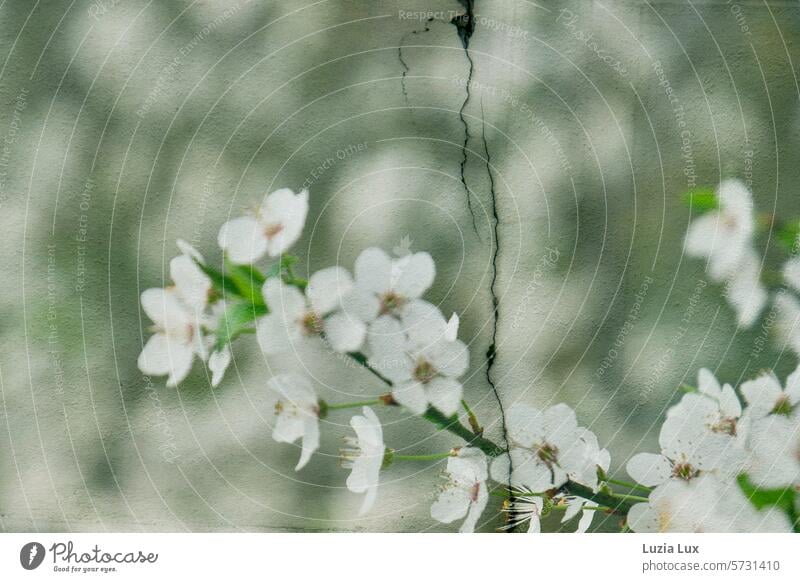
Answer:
(165, 309)
(643, 519)
(327, 287)
(792, 390)
(294, 388)
(310, 441)
(530, 473)
(649, 469)
(586, 519)
(387, 342)
(345, 333)
(451, 331)
(192, 284)
(791, 273)
(373, 271)
(762, 394)
(500, 467)
(218, 362)
(525, 424)
(274, 336)
(189, 251)
(452, 504)
(411, 395)
(444, 394)
(361, 305)
(475, 510)
(284, 300)
(729, 403)
(450, 358)
(745, 292)
(708, 384)
(288, 210)
(243, 240)
(413, 274)
(287, 428)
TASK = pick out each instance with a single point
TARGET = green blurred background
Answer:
(542, 169)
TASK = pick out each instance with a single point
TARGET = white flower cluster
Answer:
(184, 323)
(718, 459)
(708, 442)
(547, 448)
(724, 237)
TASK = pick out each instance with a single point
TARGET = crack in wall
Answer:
(403, 62)
(491, 351)
(465, 26)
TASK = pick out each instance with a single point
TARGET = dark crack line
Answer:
(465, 26)
(403, 62)
(491, 352)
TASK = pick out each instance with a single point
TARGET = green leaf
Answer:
(701, 200)
(789, 235)
(221, 282)
(783, 499)
(236, 320)
(247, 281)
(761, 498)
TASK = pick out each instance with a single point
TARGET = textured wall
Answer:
(542, 168)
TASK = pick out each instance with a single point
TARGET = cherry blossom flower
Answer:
(713, 409)
(686, 453)
(764, 395)
(787, 310)
(296, 410)
(364, 457)
(178, 316)
(276, 226)
(705, 504)
(773, 443)
(387, 286)
(294, 317)
(724, 236)
(791, 272)
(744, 290)
(545, 448)
(464, 493)
(416, 354)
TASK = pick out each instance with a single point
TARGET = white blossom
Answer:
(545, 448)
(713, 409)
(765, 395)
(464, 493)
(179, 318)
(724, 236)
(296, 413)
(386, 285)
(773, 444)
(276, 226)
(787, 311)
(364, 456)
(686, 453)
(416, 354)
(295, 317)
(791, 273)
(744, 290)
(705, 504)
